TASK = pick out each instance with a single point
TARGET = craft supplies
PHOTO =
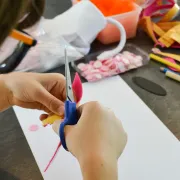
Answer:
(164, 70)
(164, 61)
(149, 86)
(94, 70)
(166, 26)
(173, 75)
(50, 120)
(173, 61)
(161, 9)
(97, 70)
(170, 37)
(53, 157)
(171, 13)
(173, 56)
(155, 21)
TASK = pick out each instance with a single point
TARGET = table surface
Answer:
(16, 159)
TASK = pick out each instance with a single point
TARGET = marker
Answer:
(173, 76)
(164, 70)
(164, 61)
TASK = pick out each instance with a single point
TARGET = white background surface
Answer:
(152, 152)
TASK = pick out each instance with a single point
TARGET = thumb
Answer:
(51, 102)
(56, 126)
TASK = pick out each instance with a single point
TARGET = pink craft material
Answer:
(54, 155)
(100, 69)
(175, 45)
(173, 61)
(34, 127)
(77, 88)
(78, 92)
(155, 7)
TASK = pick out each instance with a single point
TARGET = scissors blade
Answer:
(69, 92)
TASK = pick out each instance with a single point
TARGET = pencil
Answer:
(164, 61)
(173, 76)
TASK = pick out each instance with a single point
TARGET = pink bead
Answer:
(104, 68)
(138, 62)
(85, 73)
(117, 58)
(109, 61)
(113, 72)
(103, 61)
(81, 66)
(91, 62)
(113, 66)
(33, 127)
(139, 57)
(125, 61)
(88, 68)
(97, 64)
(129, 54)
(94, 71)
(89, 77)
(121, 67)
(106, 74)
(98, 76)
(131, 66)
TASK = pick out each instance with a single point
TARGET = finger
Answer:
(51, 102)
(31, 105)
(43, 117)
(88, 110)
(56, 125)
(54, 83)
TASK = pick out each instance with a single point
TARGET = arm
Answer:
(98, 168)
(33, 91)
(4, 95)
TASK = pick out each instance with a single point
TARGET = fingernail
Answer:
(61, 110)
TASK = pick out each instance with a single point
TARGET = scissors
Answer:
(70, 117)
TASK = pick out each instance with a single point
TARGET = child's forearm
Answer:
(99, 169)
(4, 95)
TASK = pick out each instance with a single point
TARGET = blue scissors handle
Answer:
(70, 118)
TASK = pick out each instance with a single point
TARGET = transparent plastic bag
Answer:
(94, 70)
(48, 53)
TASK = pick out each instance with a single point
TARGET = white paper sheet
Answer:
(152, 152)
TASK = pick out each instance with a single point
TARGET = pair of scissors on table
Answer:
(70, 117)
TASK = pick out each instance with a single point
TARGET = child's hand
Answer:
(36, 91)
(97, 138)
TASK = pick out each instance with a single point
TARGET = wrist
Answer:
(97, 167)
